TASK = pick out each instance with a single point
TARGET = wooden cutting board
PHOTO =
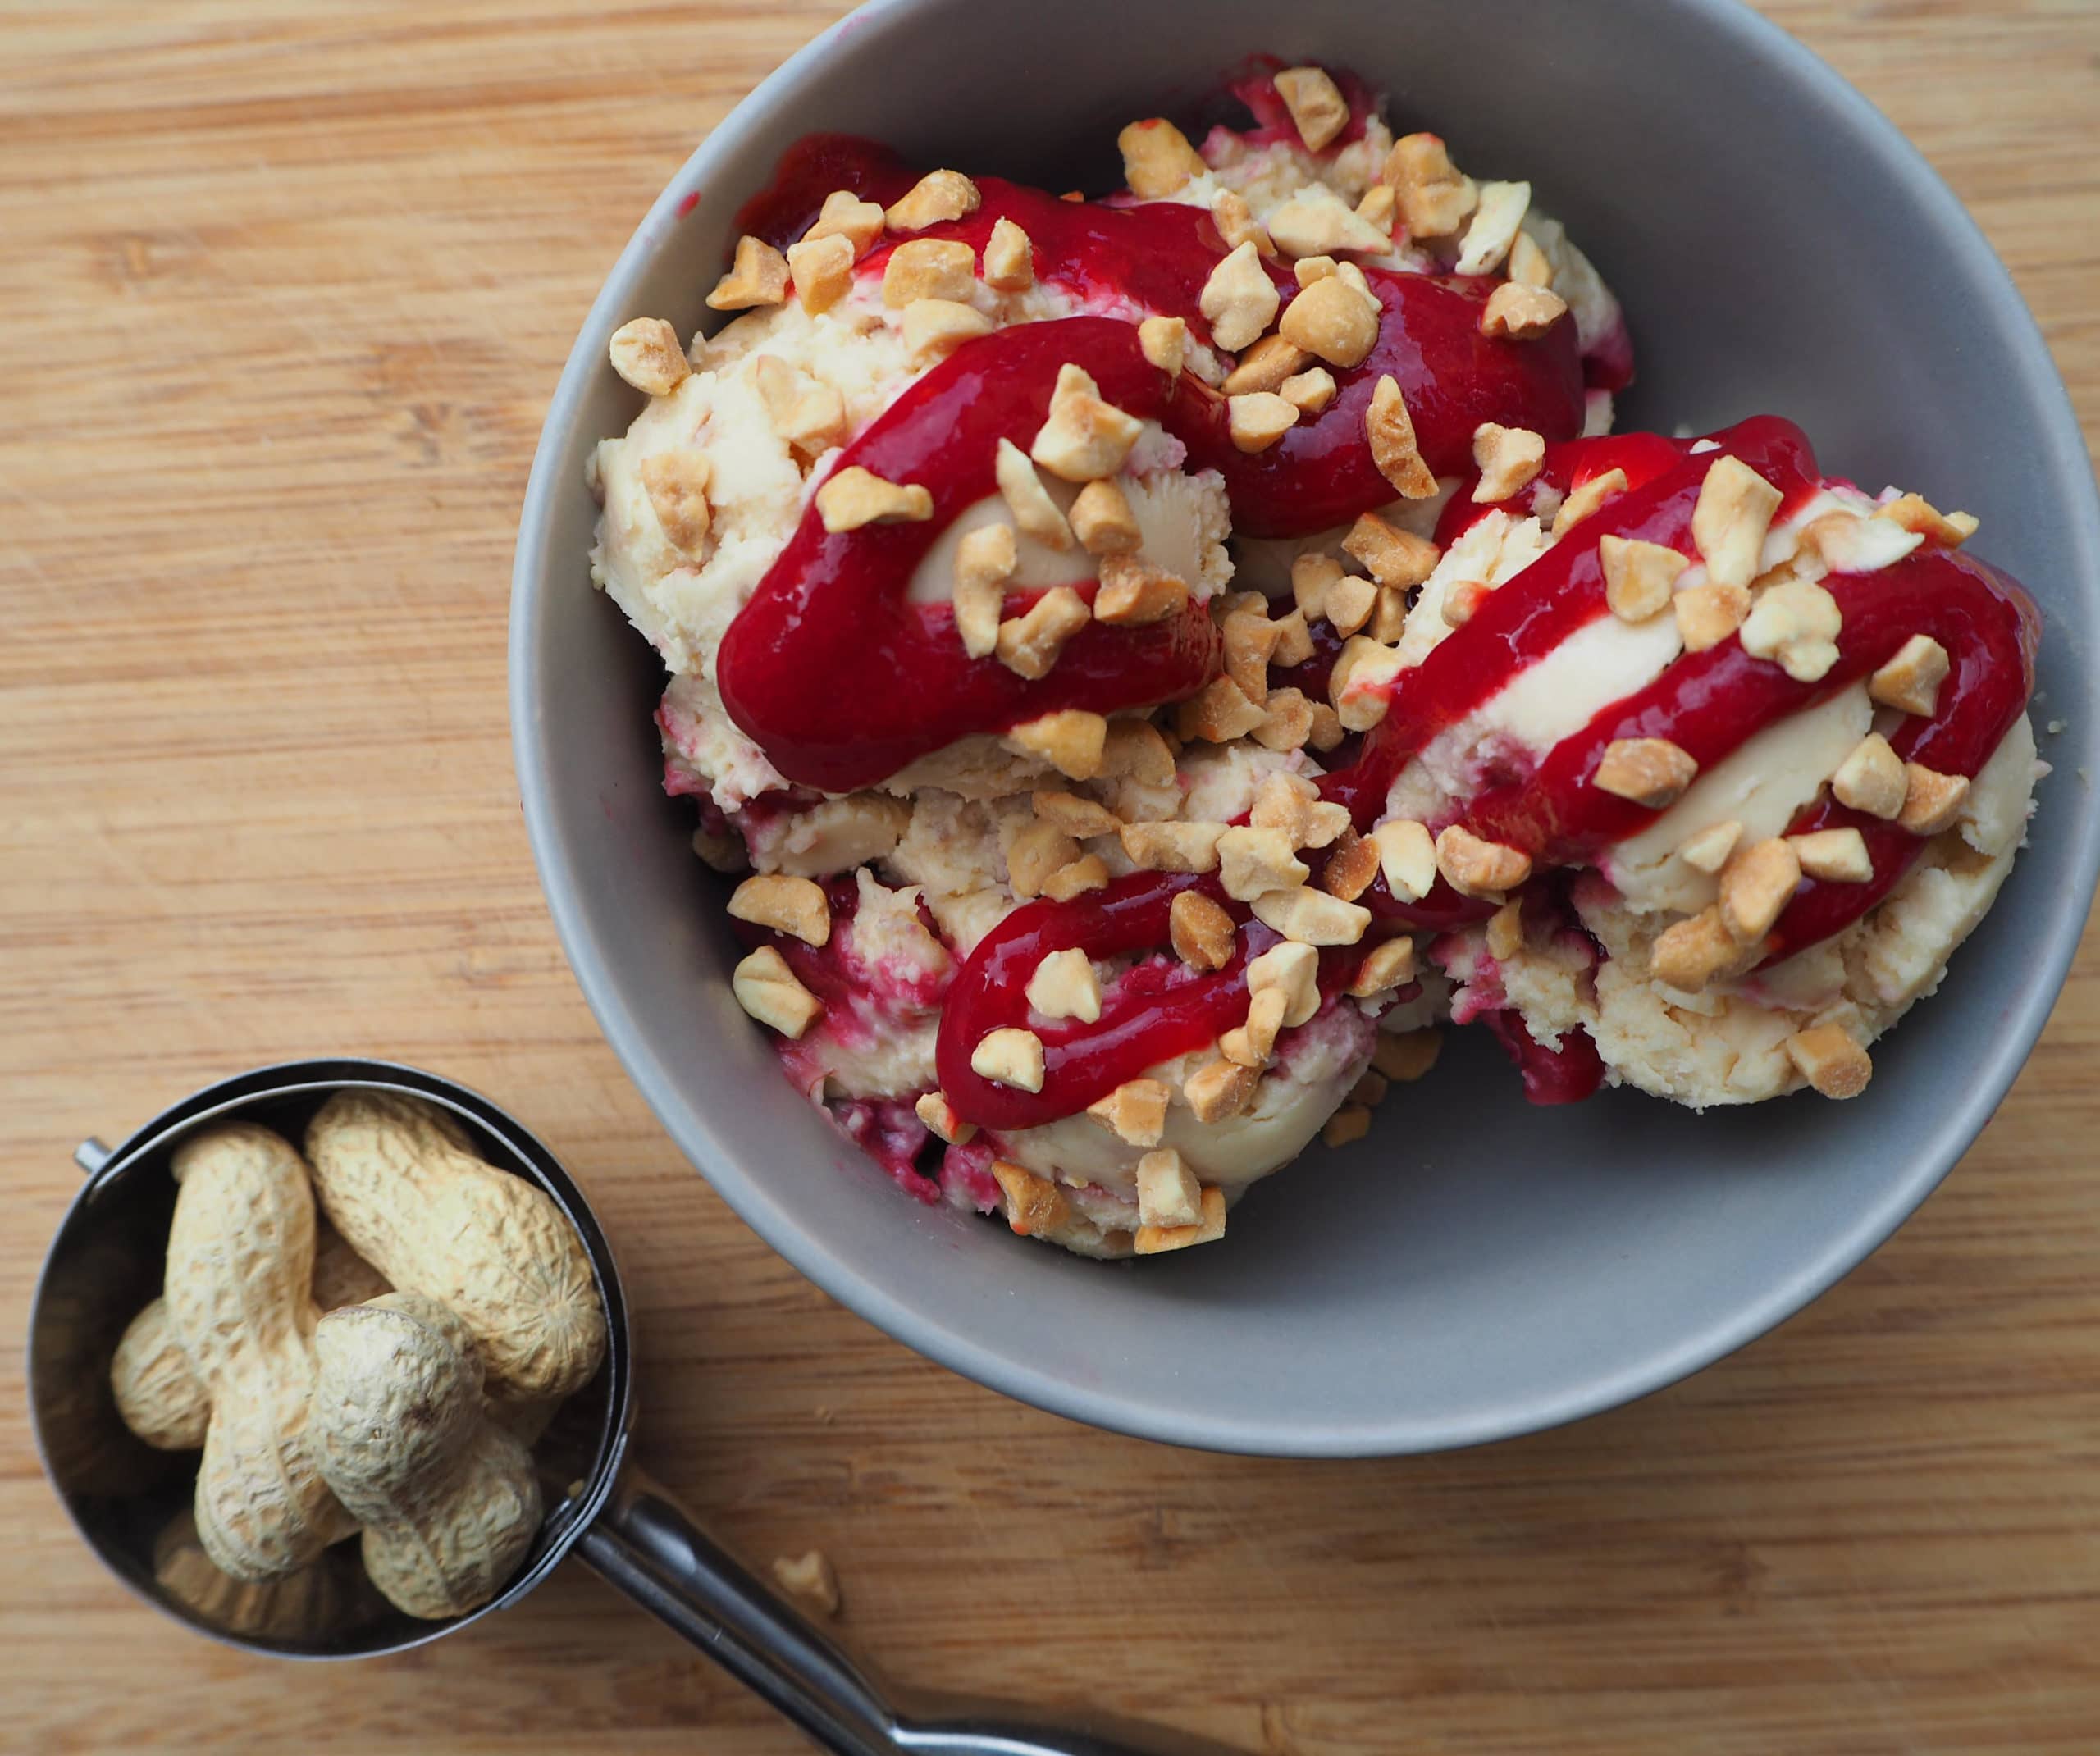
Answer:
(284, 289)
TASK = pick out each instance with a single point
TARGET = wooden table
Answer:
(285, 288)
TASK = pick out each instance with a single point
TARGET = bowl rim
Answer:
(1238, 1431)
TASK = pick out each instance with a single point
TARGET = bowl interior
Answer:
(1475, 1268)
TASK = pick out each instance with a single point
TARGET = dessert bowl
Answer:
(1473, 1269)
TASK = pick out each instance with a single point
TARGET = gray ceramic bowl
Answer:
(1474, 1269)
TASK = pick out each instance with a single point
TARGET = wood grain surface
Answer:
(285, 285)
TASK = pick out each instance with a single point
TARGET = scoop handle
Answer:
(646, 1545)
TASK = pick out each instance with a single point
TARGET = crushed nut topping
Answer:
(1837, 856)
(1135, 1112)
(1265, 365)
(845, 215)
(1201, 933)
(1030, 645)
(1286, 720)
(1639, 576)
(1133, 592)
(1347, 601)
(1651, 772)
(1351, 868)
(1251, 862)
(1168, 1193)
(1831, 1062)
(1315, 222)
(1498, 212)
(1089, 871)
(1434, 197)
(1102, 519)
(1292, 970)
(938, 196)
(1218, 1090)
(1156, 1240)
(1312, 917)
(1171, 847)
(644, 351)
(929, 268)
(1138, 749)
(1291, 803)
(675, 483)
(1349, 1123)
(1379, 208)
(1756, 884)
(757, 275)
(1728, 524)
(1071, 740)
(1037, 515)
(941, 1119)
(935, 327)
(1157, 158)
(1238, 300)
(1236, 224)
(1388, 964)
(1085, 437)
(1406, 1056)
(1707, 614)
(1294, 640)
(1390, 555)
(1308, 392)
(1505, 932)
(1508, 458)
(1257, 420)
(1871, 778)
(853, 496)
(1390, 431)
(1932, 800)
(1011, 1057)
(1688, 955)
(1035, 1206)
(984, 560)
(1009, 258)
(767, 989)
(1164, 341)
(1253, 1044)
(1065, 985)
(1474, 867)
(822, 269)
(1037, 850)
(1358, 688)
(1316, 104)
(1528, 264)
(1083, 818)
(1795, 624)
(796, 905)
(1332, 321)
(1586, 499)
(1709, 851)
(1462, 600)
(1407, 857)
(1220, 713)
(1910, 681)
(1515, 312)
(1916, 513)
(810, 416)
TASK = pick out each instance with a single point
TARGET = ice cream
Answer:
(1156, 657)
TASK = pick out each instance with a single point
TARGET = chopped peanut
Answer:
(1639, 576)
(767, 989)
(934, 328)
(1316, 103)
(1405, 1056)
(644, 351)
(1931, 800)
(1157, 158)
(1071, 740)
(1476, 868)
(1498, 213)
(1315, 223)
(1085, 438)
(1312, 917)
(941, 1119)
(1506, 457)
(1370, 1090)
(1709, 851)
(1286, 720)
(1102, 519)
(1251, 862)
(1729, 521)
(1651, 772)
(1312, 576)
(1265, 366)
(1258, 419)
(1250, 639)
(1914, 513)
(1221, 713)
(1307, 269)
(795, 905)
(1390, 431)
(1756, 884)
(1407, 856)
(1011, 1057)
(1585, 498)
(929, 268)
(1029, 645)
(1461, 601)
(1156, 1240)
(1292, 970)
(1831, 1062)
(938, 196)
(1218, 1090)
(1795, 624)
(1135, 592)
(1253, 1044)
(1138, 748)
(675, 483)
(1515, 312)
(1292, 804)
(984, 560)
(1327, 728)
(1389, 964)
(1871, 779)
(1434, 197)
(1910, 681)
(1163, 341)
(1379, 208)
(1082, 818)
(853, 496)
(1348, 602)
(1332, 321)
(757, 276)
(1236, 224)
(1089, 871)
(1037, 515)
(809, 415)
(1350, 1123)
(846, 215)
(1135, 1112)
(1171, 847)
(1201, 933)
(1064, 985)
(1009, 258)
(1037, 850)
(1308, 392)
(1238, 299)
(1707, 615)
(1390, 555)
(1035, 1204)
(822, 271)
(1688, 955)
(1837, 856)
(1528, 264)
(1168, 1193)
(1359, 687)
(1505, 930)
(1294, 640)
(1351, 867)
